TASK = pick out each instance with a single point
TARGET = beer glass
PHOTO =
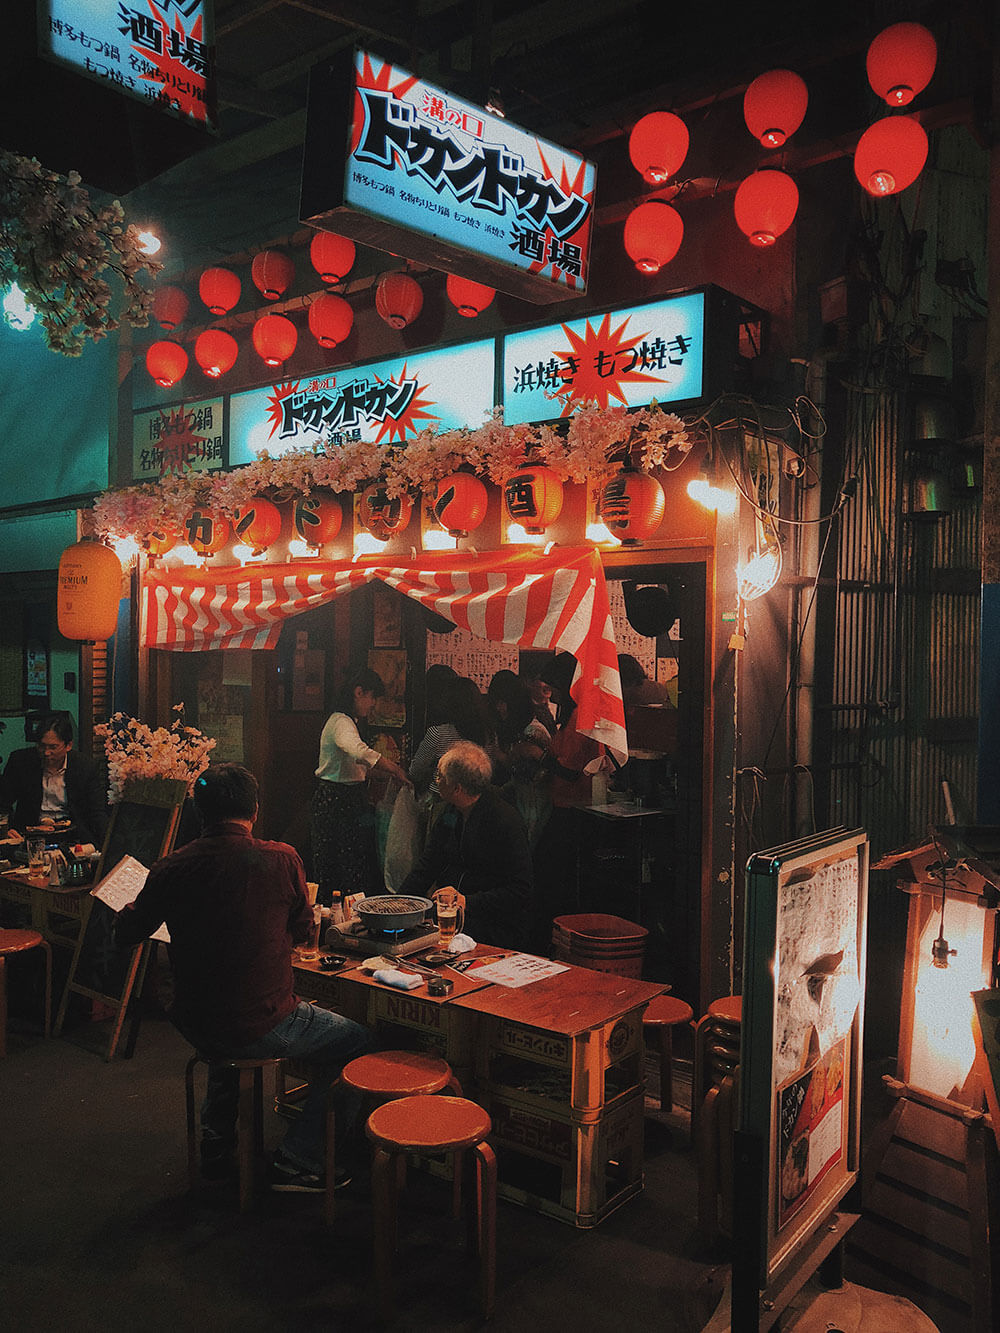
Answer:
(37, 862)
(309, 951)
(450, 915)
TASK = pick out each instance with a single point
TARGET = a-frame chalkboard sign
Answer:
(143, 824)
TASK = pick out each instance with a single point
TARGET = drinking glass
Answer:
(309, 951)
(450, 915)
(36, 855)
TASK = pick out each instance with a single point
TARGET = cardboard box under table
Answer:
(560, 1066)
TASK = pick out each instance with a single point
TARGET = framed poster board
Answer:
(798, 1135)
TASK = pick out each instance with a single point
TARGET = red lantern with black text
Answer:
(774, 106)
(658, 146)
(533, 497)
(216, 351)
(384, 515)
(170, 307)
(316, 518)
(460, 503)
(274, 337)
(632, 506)
(890, 155)
(330, 319)
(272, 272)
(257, 524)
(469, 298)
(90, 586)
(332, 256)
(765, 206)
(162, 539)
(219, 288)
(206, 531)
(653, 235)
(166, 362)
(900, 62)
(398, 299)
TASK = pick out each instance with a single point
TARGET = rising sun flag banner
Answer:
(557, 601)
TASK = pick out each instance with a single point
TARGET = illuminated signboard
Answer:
(625, 357)
(178, 439)
(386, 402)
(159, 51)
(404, 166)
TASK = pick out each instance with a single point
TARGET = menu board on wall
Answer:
(178, 439)
(479, 659)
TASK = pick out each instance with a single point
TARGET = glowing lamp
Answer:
(460, 503)
(90, 583)
(658, 146)
(170, 306)
(331, 256)
(206, 531)
(219, 288)
(890, 155)
(533, 497)
(272, 272)
(632, 505)
(469, 298)
(258, 524)
(765, 206)
(653, 235)
(330, 319)
(166, 362)
(900, 62)
(162, 539)
(774, 106)
(274, 337)
(216, 351)
(316, 518)
(384, 515)
(398, 299)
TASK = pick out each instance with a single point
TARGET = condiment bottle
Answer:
(336, 910)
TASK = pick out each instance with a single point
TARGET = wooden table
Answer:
(52, 908)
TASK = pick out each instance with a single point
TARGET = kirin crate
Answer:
(403, 1020)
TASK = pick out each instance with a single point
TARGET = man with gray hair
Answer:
(478, 845)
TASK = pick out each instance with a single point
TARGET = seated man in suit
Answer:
(479, 846)
(51, 780)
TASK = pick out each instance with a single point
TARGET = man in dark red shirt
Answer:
(234, 906)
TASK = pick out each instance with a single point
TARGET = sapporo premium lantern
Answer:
(216, 351)
(900, 62)
(274, 337)
(166, 362)
(219, 288)
(272, 272)
(658, 146)
(632, 505)
(90, 583)
(533, 497)
(460, 503)
(774, 106)
(331, 256)
(316, 518)
(258, 523)
(765, 205)
(330, 319)
(170, 307)
(206, 531)
(653, 234)
(382, 514)
(890, 155)
(469, 298)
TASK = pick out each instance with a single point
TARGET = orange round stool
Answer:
(250, 1119)
(385, 1076)
(658, 1022)
(20, 941)
(430, 1125)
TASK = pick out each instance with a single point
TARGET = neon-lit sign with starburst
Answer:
(435, 178)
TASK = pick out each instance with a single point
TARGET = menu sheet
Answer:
(121, 886)
(518, 969)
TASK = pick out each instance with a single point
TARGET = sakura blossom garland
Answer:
(135, 750)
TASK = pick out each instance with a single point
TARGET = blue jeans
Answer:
(323, 1040)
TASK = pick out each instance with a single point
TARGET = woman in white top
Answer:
(341, 816)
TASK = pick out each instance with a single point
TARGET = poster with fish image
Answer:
(810, 1127)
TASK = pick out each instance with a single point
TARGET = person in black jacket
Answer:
(479, 846)
(51, 780)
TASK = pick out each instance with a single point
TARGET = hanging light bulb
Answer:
(149, 243)
(890, 155)
(658, 146)
(765, 206)
(653, 234)
(763, 567)
(774, 106)
(900, 62)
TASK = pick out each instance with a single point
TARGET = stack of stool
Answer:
(250, 1119)
(713, 1108)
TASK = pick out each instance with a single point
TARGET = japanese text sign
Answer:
(177, 440)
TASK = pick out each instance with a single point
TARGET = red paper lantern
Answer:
(330, 319)
(383, 515)
(765, 205)
(317, 518)
(272, 272)
(398, 299)
(653, 235)
(216, 351)
(460, 503)
(274, 337)
(632, 506)
(469, 298)
(890, 155)
(170, 306)
(258, 523)
(332, 256)
(900, 62)
(658, 146)
(206, 531)
(162, 539)
(533, 497)
(219, 288)
(166, 362)
(90, 586)
(774, 106)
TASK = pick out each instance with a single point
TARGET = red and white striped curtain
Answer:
(557, 601)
